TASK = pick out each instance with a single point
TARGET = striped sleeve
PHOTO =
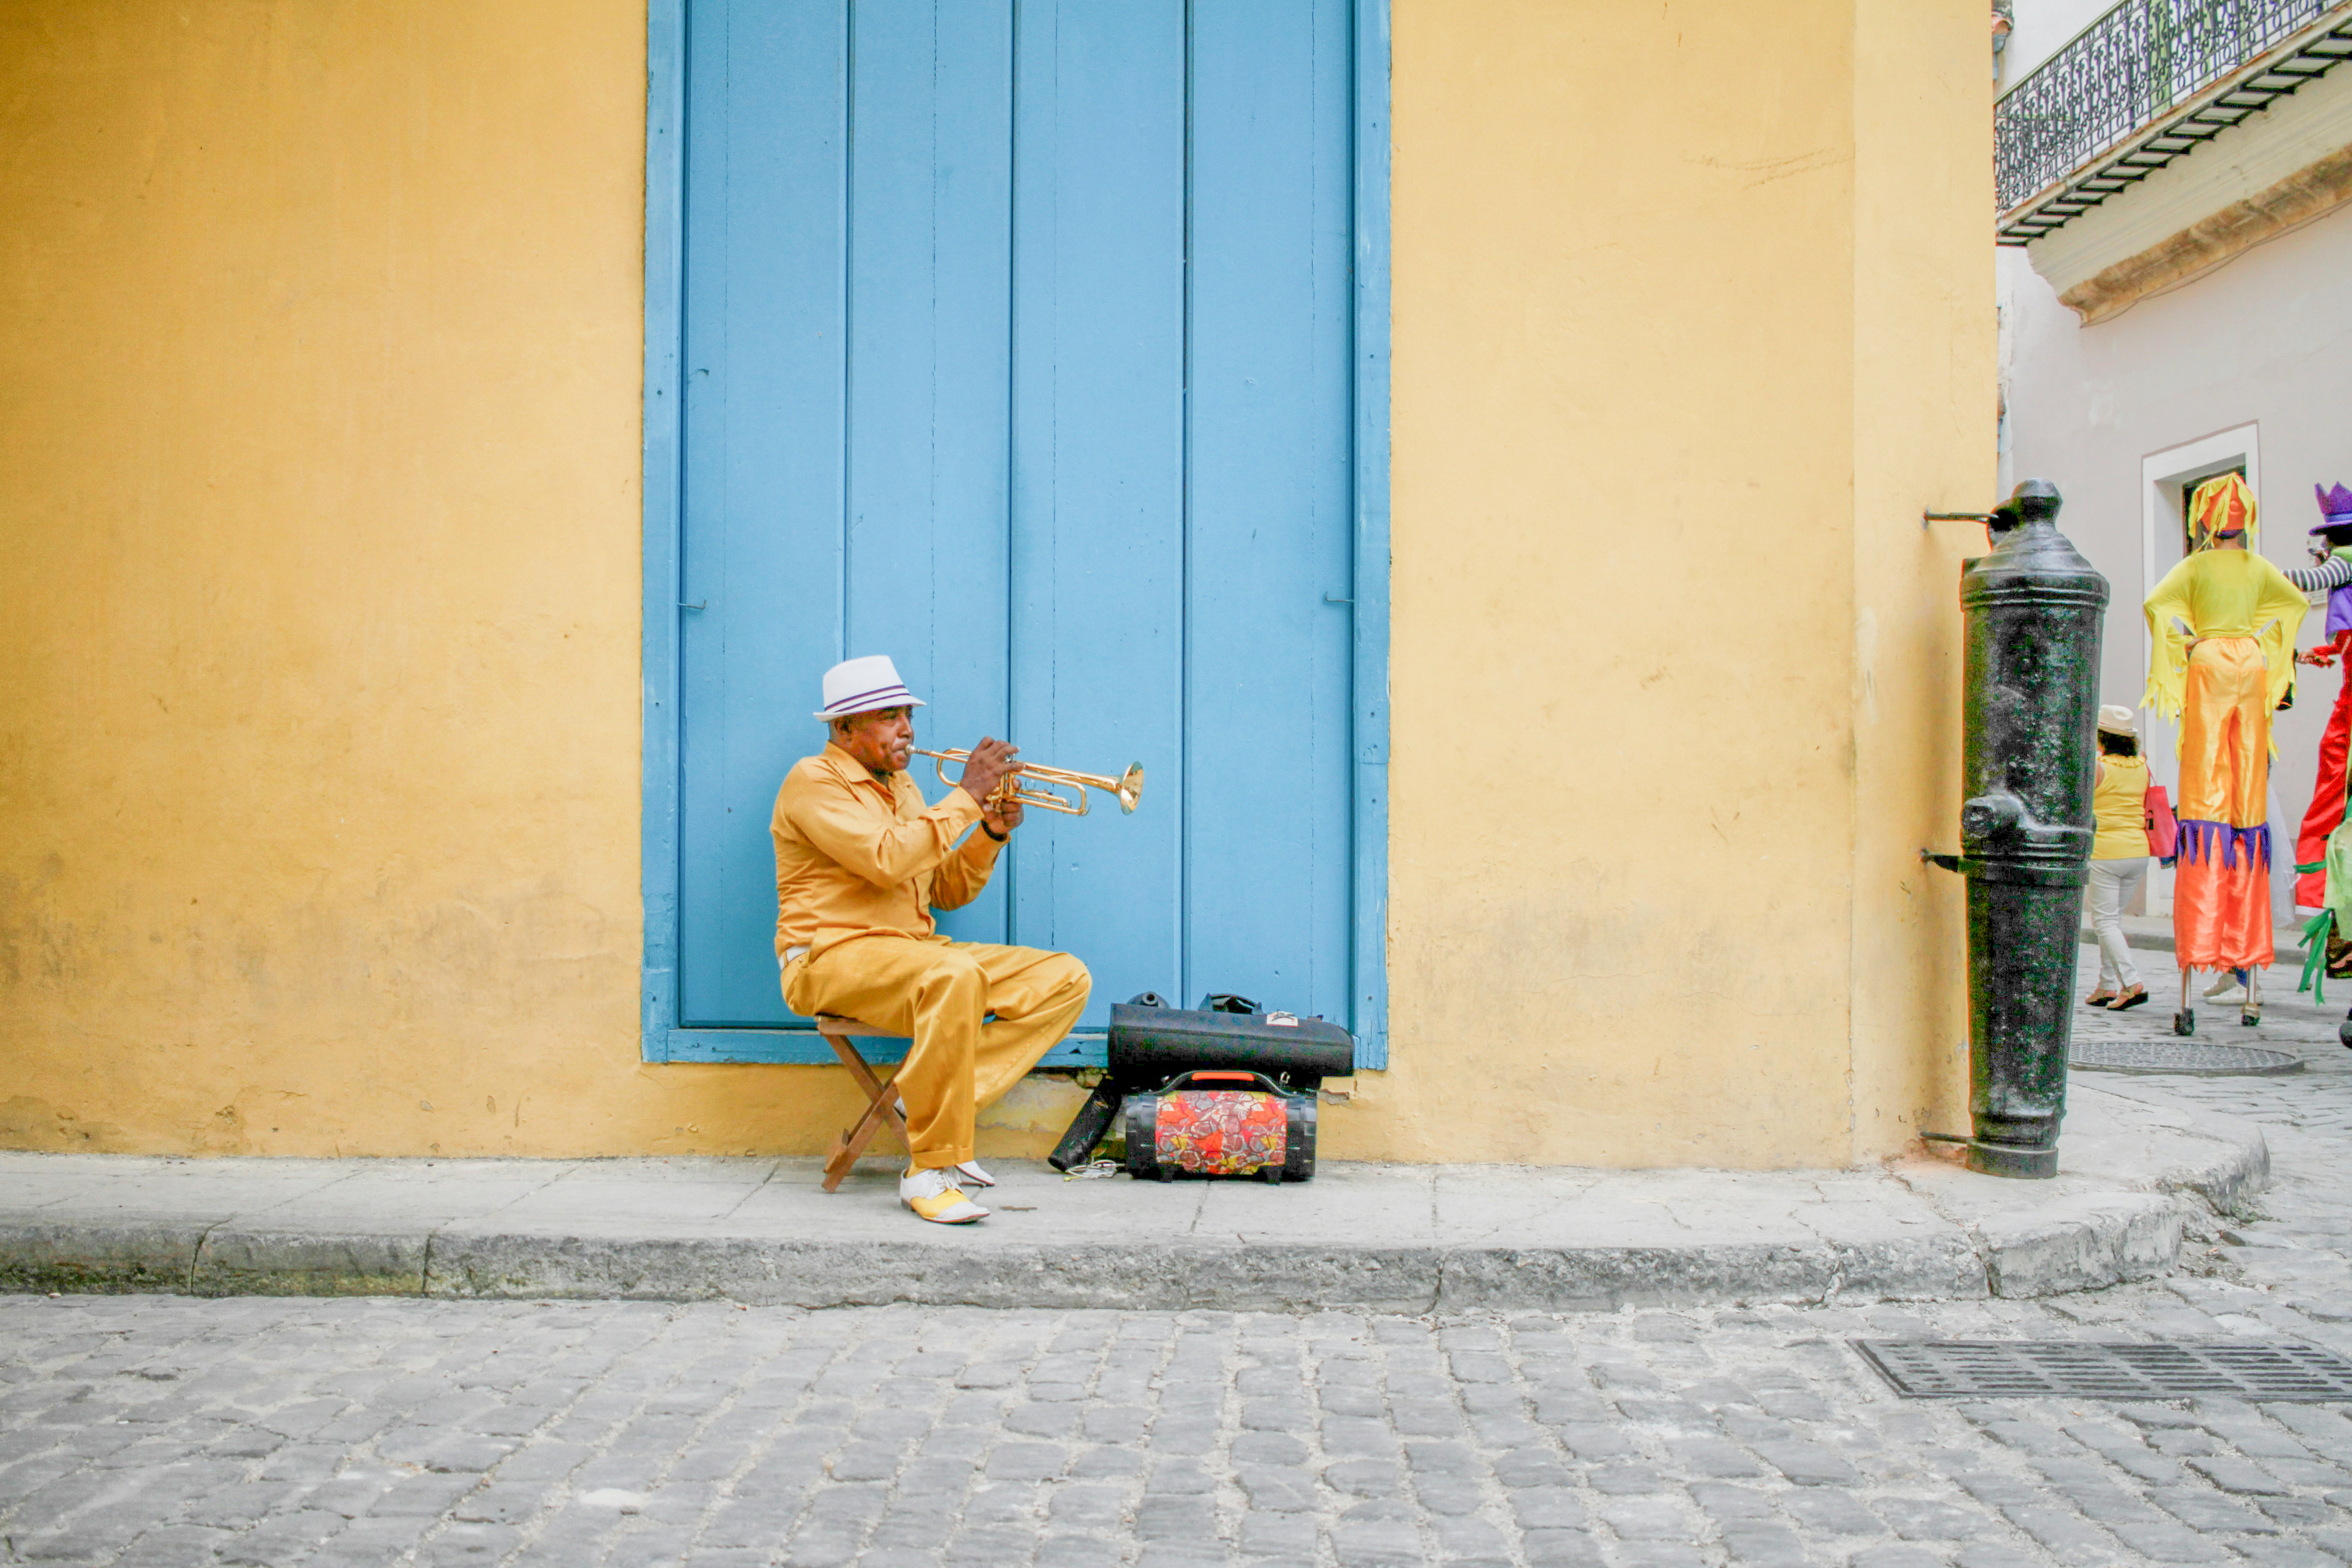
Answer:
(2332, 574)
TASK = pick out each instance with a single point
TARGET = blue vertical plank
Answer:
(665, 123)
(929, 378)
(1370, 406)
(1268, 771)
(1097, 474)
(765, 234)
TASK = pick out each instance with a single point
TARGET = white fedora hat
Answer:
(863, 685)
(2116, 719)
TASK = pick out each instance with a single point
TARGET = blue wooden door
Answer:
(1017, 347)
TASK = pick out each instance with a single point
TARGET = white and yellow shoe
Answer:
(934, 1195)
(969, 1170)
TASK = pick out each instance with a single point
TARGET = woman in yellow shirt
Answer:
(2118, 855)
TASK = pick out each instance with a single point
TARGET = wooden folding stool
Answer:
(882, 1095)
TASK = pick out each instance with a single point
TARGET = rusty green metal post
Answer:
(2029, 710)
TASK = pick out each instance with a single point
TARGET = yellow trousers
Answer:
(2225, 734)
(940, 994)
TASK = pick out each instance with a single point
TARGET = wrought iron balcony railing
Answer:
(2136, 66)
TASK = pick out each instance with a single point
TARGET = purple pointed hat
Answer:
(2335, 508)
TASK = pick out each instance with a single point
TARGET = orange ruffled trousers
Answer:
(2221, 889)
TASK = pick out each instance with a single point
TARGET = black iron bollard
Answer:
(2029, 711)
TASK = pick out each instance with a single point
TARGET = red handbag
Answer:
(2163, 833)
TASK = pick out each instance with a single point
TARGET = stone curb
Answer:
(2014, 1239)
(1410, 1280)
(2096, 1239)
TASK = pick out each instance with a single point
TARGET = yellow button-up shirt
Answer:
(857, 855)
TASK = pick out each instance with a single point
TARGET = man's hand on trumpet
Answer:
(1000, 823)
(989, 764)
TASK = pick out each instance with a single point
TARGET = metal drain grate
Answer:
(2255, 1370)
(2160, 1054)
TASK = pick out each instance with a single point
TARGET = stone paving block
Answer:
(2272, 1552)
(1645, 1518)
(1366, 1477)
(2169, 1542)
(2236, 1475)
(2308, 1472)
(1043, 1420)
(467, 1545)
(1660, 1554)
(173, 1546)
(78, 1543)
(1105, 1459)
(241, 1503)
(1448, 1496)
(1992, 1554)
(1522, 1466)
(1594, 1442)
(2066, 1534)
(1921, 1518)
(2202, 1511)
(1896, 1555)
(1426, 1456)
(1082, 1507)
(1711, 1458)
(1998, 1488)
(1183, 1554)
(364, 1544)
(1560, 1549)
(1057, 1549)
(1807, 1464)
(1279, 1489)
(1624, 1480)
(1751, 1544)
(1176, 1516)
(1378, 1544)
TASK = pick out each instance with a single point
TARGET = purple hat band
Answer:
(866, 702)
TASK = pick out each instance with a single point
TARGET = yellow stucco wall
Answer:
(319, 751)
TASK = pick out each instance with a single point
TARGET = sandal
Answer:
(2099, 1000)
(2137, 995)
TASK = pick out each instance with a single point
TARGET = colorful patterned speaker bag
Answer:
(1190, 1129)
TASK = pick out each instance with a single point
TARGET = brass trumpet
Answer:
(1128, 786)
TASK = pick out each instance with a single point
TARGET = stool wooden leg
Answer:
(881, 1102)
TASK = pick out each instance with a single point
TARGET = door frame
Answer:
(665, 324)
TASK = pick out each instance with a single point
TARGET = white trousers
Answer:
(2111, 886)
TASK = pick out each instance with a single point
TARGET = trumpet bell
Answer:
(1129, 788)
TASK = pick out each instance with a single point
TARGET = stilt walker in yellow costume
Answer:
(2222, 677)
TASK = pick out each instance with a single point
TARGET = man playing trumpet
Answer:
(861, 861)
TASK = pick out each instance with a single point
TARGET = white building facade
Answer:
(2175, 286)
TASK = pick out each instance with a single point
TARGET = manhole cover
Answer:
(2092, 1369)
(2167, 1054)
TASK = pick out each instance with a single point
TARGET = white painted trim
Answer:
(2161, 474)
(2268, 146)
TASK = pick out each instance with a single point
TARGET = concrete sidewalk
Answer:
(1387, 1238)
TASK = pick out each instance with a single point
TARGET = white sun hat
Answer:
(863, 685)
(2117, 720)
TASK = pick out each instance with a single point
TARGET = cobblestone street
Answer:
(165, 1431)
